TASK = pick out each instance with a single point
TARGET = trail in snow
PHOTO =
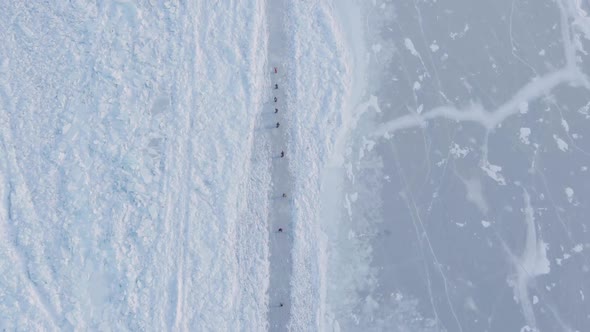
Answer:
(280, 243)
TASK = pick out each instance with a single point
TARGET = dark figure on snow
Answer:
(276, 99)
(284, 195)
(280, 305)
(282, 154)
(278, 124)
(276, 110)
(280, 230)
(276, 86)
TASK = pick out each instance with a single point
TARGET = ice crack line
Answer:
(536, 88)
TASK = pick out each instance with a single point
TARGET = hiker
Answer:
(280, 305)
(276, 86)
(276, 110)
(282, 154)
(275, 70)
(278, 124)
(284, 195)
(280, 230)
(276, 99)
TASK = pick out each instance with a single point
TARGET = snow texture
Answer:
(134, 196)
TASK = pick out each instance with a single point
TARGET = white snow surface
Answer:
(132, 195)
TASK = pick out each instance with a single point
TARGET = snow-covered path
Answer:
(280, 243)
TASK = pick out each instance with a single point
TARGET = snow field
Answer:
(133, 192)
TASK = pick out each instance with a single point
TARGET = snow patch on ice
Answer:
(434, 47)
(565, 125)
(410, 47)
(585, 110)
(524, 135)
(530, 264)
(569, 192)
(458, 152)
(561, 144)
(493, 172)
(455, 35)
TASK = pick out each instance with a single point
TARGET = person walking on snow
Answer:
(276, 86)
(276, 110)
(276, 99)
(278, 124)
(282, 154)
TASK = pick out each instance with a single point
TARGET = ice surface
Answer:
(483, 107)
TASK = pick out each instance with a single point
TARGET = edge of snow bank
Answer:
(324, 85)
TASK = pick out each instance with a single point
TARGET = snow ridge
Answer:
(316, 88)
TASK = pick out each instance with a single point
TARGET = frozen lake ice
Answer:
(468, 182)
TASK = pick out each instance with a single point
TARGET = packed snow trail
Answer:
(280, 243)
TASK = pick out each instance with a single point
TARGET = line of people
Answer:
(276, 87)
